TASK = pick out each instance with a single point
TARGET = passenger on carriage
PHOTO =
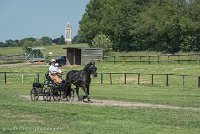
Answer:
(59, 70)
(55, 72)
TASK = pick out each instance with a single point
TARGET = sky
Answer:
(37, 18)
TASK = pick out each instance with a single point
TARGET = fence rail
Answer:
(13, 58)
(139, 77)
(154, 58)
(110, 78)
(7, 75)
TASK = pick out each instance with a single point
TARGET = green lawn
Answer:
(19, 115)
(71, 118)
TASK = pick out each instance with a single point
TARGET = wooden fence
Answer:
(108, 78)
(12, 59)
(139, 75)
(6, 77)
(154, 58)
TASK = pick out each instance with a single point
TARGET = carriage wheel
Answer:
(57, 95)
(34, 94)
(47, 94)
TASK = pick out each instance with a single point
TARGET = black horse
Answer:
(82, 79)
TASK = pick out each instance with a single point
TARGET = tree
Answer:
(21, 42)
(56, 40)
(102, 41)
(90, 23)
(1, 44)
(78, 39)
(46, 40)
(37, 43)
(27, 44)
(11, 43)
(61, 40)
(113, 18)
(164, 25)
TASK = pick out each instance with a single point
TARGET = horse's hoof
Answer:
(86, 101)
(91, 101)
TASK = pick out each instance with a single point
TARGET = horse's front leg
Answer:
(86, 91)
(77, 93)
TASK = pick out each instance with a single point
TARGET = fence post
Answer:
(123, 58)
(149, 59)
(101, 78)
(199, 81)
(168, 58)
(151, 79)
(138, 78)
(199, 58)
(158, 59)
(5, 76)
(167, 80)
(178, 58)
(22, 78)
(110, 78)
(38, 77)
(114, 59)
(183, 80)
(124, 78)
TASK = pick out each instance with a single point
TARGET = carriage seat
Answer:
(48, 78)
(37, 85)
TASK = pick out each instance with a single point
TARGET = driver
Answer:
(59, 71)
(54, 72)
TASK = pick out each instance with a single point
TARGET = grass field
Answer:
(19, 115)
(56, 49)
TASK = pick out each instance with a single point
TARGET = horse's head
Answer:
(92, 69)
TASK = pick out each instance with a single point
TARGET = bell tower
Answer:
(68, 33)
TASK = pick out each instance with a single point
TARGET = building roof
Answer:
(36, 48)
(93, 48)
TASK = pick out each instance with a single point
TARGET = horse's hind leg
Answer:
(68, 93)
(66, 90)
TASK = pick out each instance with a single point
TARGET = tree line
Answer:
(31, 42)
(143, 25)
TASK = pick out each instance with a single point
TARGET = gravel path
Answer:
(125, 104)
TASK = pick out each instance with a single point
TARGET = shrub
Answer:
(102, 41)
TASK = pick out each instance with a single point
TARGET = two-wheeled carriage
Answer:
(47, 90)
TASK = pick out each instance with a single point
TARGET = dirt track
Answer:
(124, 104)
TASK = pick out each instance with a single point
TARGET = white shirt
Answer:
(53, 69)
(59, 70)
